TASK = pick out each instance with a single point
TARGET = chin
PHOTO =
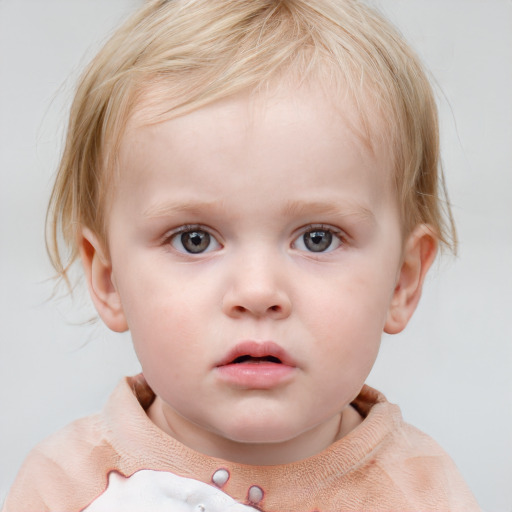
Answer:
(262, 432)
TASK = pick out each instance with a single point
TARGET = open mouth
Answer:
(257, 353)
(255, 360)
(256, 365)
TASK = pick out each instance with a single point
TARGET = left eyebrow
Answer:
(329, 209)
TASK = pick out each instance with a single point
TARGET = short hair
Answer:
(193, 52)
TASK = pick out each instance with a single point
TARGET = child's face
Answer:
(255, 247)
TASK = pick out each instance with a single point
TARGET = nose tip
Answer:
(260, 303)
(275, 311)
(257, 285)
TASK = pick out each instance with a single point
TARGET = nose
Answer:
(256, 289)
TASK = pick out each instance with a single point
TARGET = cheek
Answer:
(164, 325)
(345, 317)
(353, 303)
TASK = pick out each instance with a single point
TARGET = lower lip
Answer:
(261, 375)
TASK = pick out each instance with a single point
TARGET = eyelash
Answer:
(335, 234)
(191, 228)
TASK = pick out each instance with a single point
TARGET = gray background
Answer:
(451, 370)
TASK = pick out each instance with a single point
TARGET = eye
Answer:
(318, 240)
(194, 241)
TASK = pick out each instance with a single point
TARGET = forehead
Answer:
(258, 142)
(283, 104)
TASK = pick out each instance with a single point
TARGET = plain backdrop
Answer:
(450, 371)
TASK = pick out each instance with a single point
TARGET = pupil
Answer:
(318, 241)
(195, 241)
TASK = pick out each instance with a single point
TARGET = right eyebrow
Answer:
(167, 208)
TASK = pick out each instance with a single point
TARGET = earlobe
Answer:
(419, 253)
(102, 289)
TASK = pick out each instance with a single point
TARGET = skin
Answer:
(262, 176)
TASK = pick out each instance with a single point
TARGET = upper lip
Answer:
(257, 349)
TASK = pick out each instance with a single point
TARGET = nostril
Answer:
(257, 309)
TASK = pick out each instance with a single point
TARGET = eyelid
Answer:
(340, 233)
(337, 232)
(185, 228)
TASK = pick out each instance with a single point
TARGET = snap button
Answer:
(220, 477)
(255, 494)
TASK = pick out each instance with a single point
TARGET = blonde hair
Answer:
(193, 52)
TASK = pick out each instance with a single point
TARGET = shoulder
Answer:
(406, 461)
(70, 468)
(65, 470)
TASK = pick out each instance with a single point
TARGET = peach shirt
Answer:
(384, 464)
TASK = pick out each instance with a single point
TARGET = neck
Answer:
(304, 445)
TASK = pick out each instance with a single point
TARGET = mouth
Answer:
(256, 365)
(253, 352)
(256, 360)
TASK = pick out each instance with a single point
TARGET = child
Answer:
(253, 190)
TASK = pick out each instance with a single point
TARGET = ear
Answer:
(102, 289)
(419, 253)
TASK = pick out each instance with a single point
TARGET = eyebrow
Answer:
(331, 208)
(191, 207)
